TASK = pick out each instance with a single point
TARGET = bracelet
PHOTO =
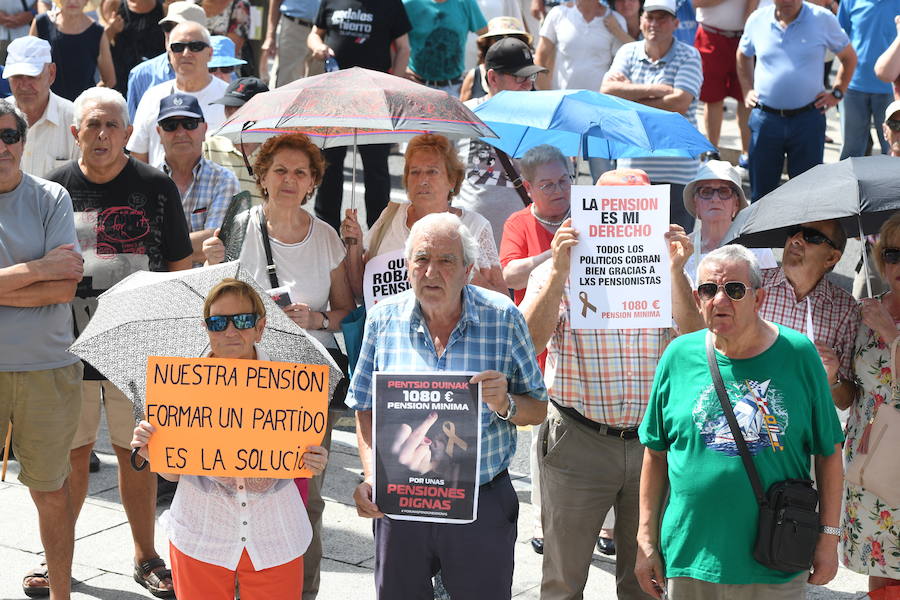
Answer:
(828, 530)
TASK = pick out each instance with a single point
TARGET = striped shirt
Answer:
(604, 374)
(222, 151)
(207, 198)
(835, 314)
(491, 334)
(679, 68)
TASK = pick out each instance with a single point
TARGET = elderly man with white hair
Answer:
(445, 324)
(190, 50)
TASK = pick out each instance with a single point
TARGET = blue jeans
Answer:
(858, 111)
(801, 138)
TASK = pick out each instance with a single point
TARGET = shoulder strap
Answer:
(513, 175)
(270, 263)
(380, 228)
(732, 422)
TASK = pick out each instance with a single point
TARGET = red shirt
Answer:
(523, 236)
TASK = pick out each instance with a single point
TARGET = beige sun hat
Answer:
(714, 169)
(505, 26)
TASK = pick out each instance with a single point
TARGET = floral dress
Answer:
(870, 543)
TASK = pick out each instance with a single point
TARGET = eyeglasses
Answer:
(811, 236)
(178, 47)
(228, 70)
(219, 323)
(891, 255)
(564, 183)
(523, 79)
(726, 192)
(893, 124)
(10, 136)
(735, 290)
(189, 124)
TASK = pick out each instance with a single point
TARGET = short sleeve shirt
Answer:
(438, 37)
(783, 405)
(361, 31)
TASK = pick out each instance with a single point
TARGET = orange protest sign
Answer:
(234, 418)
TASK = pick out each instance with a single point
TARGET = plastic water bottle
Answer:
(331, 65)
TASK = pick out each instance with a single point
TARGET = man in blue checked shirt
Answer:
(205, 187)
(443, 324)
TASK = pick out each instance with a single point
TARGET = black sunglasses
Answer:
(811, 236)
(735, 290)
(10, 136)
(178, 47)
(218, 323)
(221, 69)
(189, 124)
(891, 255)
(893, 124)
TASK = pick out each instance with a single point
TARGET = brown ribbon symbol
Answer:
(449, 428)
(585, 304)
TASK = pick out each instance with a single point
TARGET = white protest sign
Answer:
(385, 276)
(619, 277)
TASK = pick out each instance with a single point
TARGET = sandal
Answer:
(37, 591)
(152, 574)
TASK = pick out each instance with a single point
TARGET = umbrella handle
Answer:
(134, 465)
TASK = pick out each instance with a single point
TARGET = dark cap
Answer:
(513, 57)
(179, 105)
(240, 90)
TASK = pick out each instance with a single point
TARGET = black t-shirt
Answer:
(133, 223)
(141, 38)
(361, 31)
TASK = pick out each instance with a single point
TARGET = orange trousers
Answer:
(197, 580)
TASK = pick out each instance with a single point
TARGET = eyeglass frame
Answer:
(565, 181)
(716, 191)
(182, 122)
(248, 319)
(809, 231)
(194, 46)
(723, 287)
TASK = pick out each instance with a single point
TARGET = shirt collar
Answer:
(467, 317)
(820, 292)
(665, 58)
(198, 168)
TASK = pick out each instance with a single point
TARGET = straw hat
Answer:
(505, 26)
(714, 169)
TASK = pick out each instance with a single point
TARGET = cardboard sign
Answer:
(427, 446)
(385, 276)
(233, 417)
(619, 277)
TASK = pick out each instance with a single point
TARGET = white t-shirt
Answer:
(145, 138)
(395, 236)
(305, 267)
(728, 15)
(584, 50)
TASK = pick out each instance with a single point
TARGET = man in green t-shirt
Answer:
(702, 540)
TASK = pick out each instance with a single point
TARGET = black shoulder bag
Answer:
(788, 527)
(513, 175)
(340, 391)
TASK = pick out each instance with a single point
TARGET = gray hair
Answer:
(99, 95)
(735, 253)
(204, 32)
(540, 155)
(8, 108)
(444, 222)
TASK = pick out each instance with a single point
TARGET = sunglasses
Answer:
(189, 124)
(893, 124)
(891, 255)
(222, 69)
(10, 136)
(219, 323)
(178, 47)
(733, 289)
(725, 192)
(811, 236)
(564, 183)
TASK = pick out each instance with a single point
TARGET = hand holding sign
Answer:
(493, 390)
(680, 247)
(565, 238)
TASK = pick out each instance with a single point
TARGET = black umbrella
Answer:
(860, 192)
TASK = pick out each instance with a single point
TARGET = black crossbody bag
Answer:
(788, 527)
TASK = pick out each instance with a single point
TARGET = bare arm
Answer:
(400, 51)
(197, 239)
(105, 64)
(684, 310)
(677, 100)
(706, 3)
(830, 482)
(270, 45)
(42, 293)
(617, 84)
(887, 67)
(362, 496)
(61, 263)
(654, 480)
(752, 5)
(745, 76)
(847, 58)
(516, 271)
(545, 56)
(315, 41)
(340, 298)
(182, 265)
(465, 90)
(529, 411)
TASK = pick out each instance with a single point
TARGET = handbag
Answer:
(875, 466)
(788, 527)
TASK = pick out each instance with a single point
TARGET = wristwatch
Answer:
(510, 412)
(831, 530)
(837, 93)
(325, 321)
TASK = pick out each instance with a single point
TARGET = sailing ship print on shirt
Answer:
(759, 410)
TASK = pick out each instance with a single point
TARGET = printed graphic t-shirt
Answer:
(783, 404)
(438, 40)
(361, 31)
(133, 223)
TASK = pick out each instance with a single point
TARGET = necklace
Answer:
(547, 222)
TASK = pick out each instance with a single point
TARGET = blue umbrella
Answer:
(589, 124)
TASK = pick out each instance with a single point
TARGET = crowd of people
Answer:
(110, 166)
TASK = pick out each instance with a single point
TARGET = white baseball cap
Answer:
(892, 108)
(666, 5)
(26, 55)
